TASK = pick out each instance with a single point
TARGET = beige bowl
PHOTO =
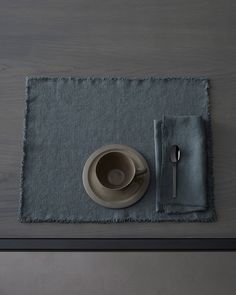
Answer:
(110, 195)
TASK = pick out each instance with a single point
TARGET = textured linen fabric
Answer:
(69, 118)
(188, 132)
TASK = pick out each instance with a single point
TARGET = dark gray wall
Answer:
(117, 273)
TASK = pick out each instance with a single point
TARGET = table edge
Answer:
(117, 244)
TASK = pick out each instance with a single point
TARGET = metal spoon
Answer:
(174, 158)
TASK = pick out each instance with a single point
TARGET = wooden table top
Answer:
(118, 38)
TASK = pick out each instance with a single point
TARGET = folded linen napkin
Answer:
(188, 132)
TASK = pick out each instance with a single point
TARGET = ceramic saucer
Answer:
(117, 198)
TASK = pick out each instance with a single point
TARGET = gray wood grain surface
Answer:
(126, 273)
(132, 38)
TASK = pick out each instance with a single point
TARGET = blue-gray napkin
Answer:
(67, 119)
(188, 132)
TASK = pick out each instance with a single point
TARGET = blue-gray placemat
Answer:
(68, 118)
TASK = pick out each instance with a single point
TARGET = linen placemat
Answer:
(68, 118)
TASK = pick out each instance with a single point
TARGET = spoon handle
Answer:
(174, 181)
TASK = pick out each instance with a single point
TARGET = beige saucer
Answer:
(117, 198)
